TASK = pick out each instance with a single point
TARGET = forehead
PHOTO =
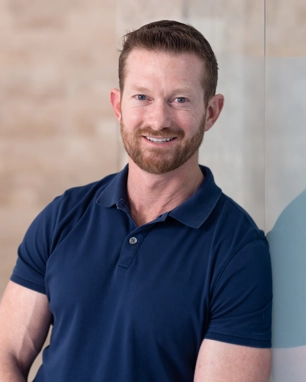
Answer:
(159, 65)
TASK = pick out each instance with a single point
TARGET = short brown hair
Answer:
(173, 37)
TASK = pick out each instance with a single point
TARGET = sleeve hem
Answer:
(28, 284)
(238, 340)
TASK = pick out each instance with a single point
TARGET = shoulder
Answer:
(58, 218)
(78, 198)
(218, 211)
(236, 240)
(231, 218)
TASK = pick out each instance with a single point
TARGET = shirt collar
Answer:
(192, 212)
(115, 190)
(195, 210)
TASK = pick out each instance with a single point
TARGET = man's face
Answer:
(162, 110)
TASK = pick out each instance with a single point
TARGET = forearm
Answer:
(15, 360)
(24, 322)
(10, 370)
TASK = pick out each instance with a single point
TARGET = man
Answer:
(151, 274)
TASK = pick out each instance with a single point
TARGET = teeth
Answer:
(159, 140)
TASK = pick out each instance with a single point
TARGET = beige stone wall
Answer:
(57, 65)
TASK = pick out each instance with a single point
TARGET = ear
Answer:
(115, 99)
(214, 108)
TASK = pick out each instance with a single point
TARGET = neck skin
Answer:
(151, 195)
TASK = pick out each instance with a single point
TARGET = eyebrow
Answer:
(183, 91)
(142, 89)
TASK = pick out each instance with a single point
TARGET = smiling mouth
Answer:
(159, 140)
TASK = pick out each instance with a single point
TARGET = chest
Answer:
(152, 281)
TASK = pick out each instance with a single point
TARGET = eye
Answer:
(181, 99)
(141, 97)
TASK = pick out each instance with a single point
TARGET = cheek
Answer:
(188, 121)
(131, 117)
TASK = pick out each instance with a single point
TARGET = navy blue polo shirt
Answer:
(132, 303)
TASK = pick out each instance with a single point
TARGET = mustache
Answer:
(164, 132)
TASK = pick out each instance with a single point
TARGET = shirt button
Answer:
(133, 240)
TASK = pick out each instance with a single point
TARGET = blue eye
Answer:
(181, 99)
(141, 97)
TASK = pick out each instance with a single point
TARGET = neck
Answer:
(151, 195)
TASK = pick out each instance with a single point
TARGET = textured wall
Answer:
(57, 65)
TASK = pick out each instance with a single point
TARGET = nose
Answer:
(159, 115)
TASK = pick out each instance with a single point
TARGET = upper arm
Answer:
(219, 361)
(236, 347)
(240, 300)
(24, 323)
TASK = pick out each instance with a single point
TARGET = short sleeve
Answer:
(241, 298)
(34, 250)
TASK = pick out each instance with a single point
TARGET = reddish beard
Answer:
(161, 160)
